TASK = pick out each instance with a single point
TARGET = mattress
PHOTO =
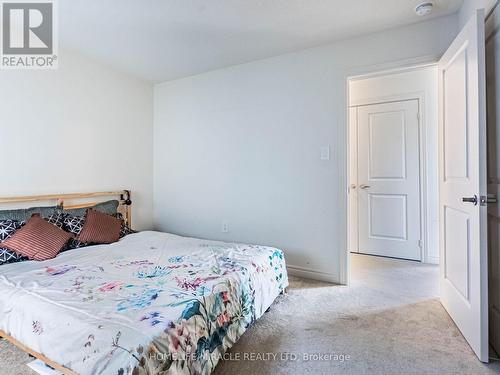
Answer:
(151, 303)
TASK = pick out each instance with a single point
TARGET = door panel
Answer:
(455, 111)
(462, 173)
(387, 145)
(388, 216)
(457, 250)
(388, 179)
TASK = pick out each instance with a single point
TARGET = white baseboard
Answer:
(308, 273)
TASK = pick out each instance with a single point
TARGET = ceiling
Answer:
(160, 40)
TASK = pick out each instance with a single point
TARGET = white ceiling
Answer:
(160, 40)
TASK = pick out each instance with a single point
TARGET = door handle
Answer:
(470, 199)
(364, 186)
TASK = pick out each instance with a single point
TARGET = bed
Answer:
(152, 303)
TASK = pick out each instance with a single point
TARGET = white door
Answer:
(388, 179)
(462, 175)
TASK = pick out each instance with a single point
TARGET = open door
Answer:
(462, 184)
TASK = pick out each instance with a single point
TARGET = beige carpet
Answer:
(388, 322)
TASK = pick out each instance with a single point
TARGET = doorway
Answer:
(459, 155)
(462, 183)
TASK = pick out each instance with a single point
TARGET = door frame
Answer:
(492, 30)
(370, 72)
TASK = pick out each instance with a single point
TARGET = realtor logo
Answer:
(28, 35)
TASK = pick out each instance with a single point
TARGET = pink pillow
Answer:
(38, 239)
(100, 228)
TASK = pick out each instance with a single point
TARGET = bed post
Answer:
(127, 202)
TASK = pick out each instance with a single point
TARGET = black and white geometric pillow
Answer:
(74, 224)
(73, 243)
(7, 228)
(7, 256)
(57, 218)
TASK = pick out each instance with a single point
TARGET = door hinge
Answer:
(485, 199)
(418, 116)
(420, 243)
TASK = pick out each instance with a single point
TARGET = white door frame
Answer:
(366, 72)
(492, 32)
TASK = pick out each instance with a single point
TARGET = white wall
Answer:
(242, 144)
(469, 7)
(420, 84)
(80, 128)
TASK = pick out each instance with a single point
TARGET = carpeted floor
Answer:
(388, 321)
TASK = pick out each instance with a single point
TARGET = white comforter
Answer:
(151, 303)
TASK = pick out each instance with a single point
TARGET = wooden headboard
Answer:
(79, 200)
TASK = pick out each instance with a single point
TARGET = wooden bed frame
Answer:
(124, 201)
(41, 357)
(124, 207)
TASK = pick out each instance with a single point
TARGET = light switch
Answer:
(325, 153)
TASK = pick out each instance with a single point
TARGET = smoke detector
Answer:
(424, 9)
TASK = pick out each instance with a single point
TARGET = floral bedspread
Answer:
(152, 303)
